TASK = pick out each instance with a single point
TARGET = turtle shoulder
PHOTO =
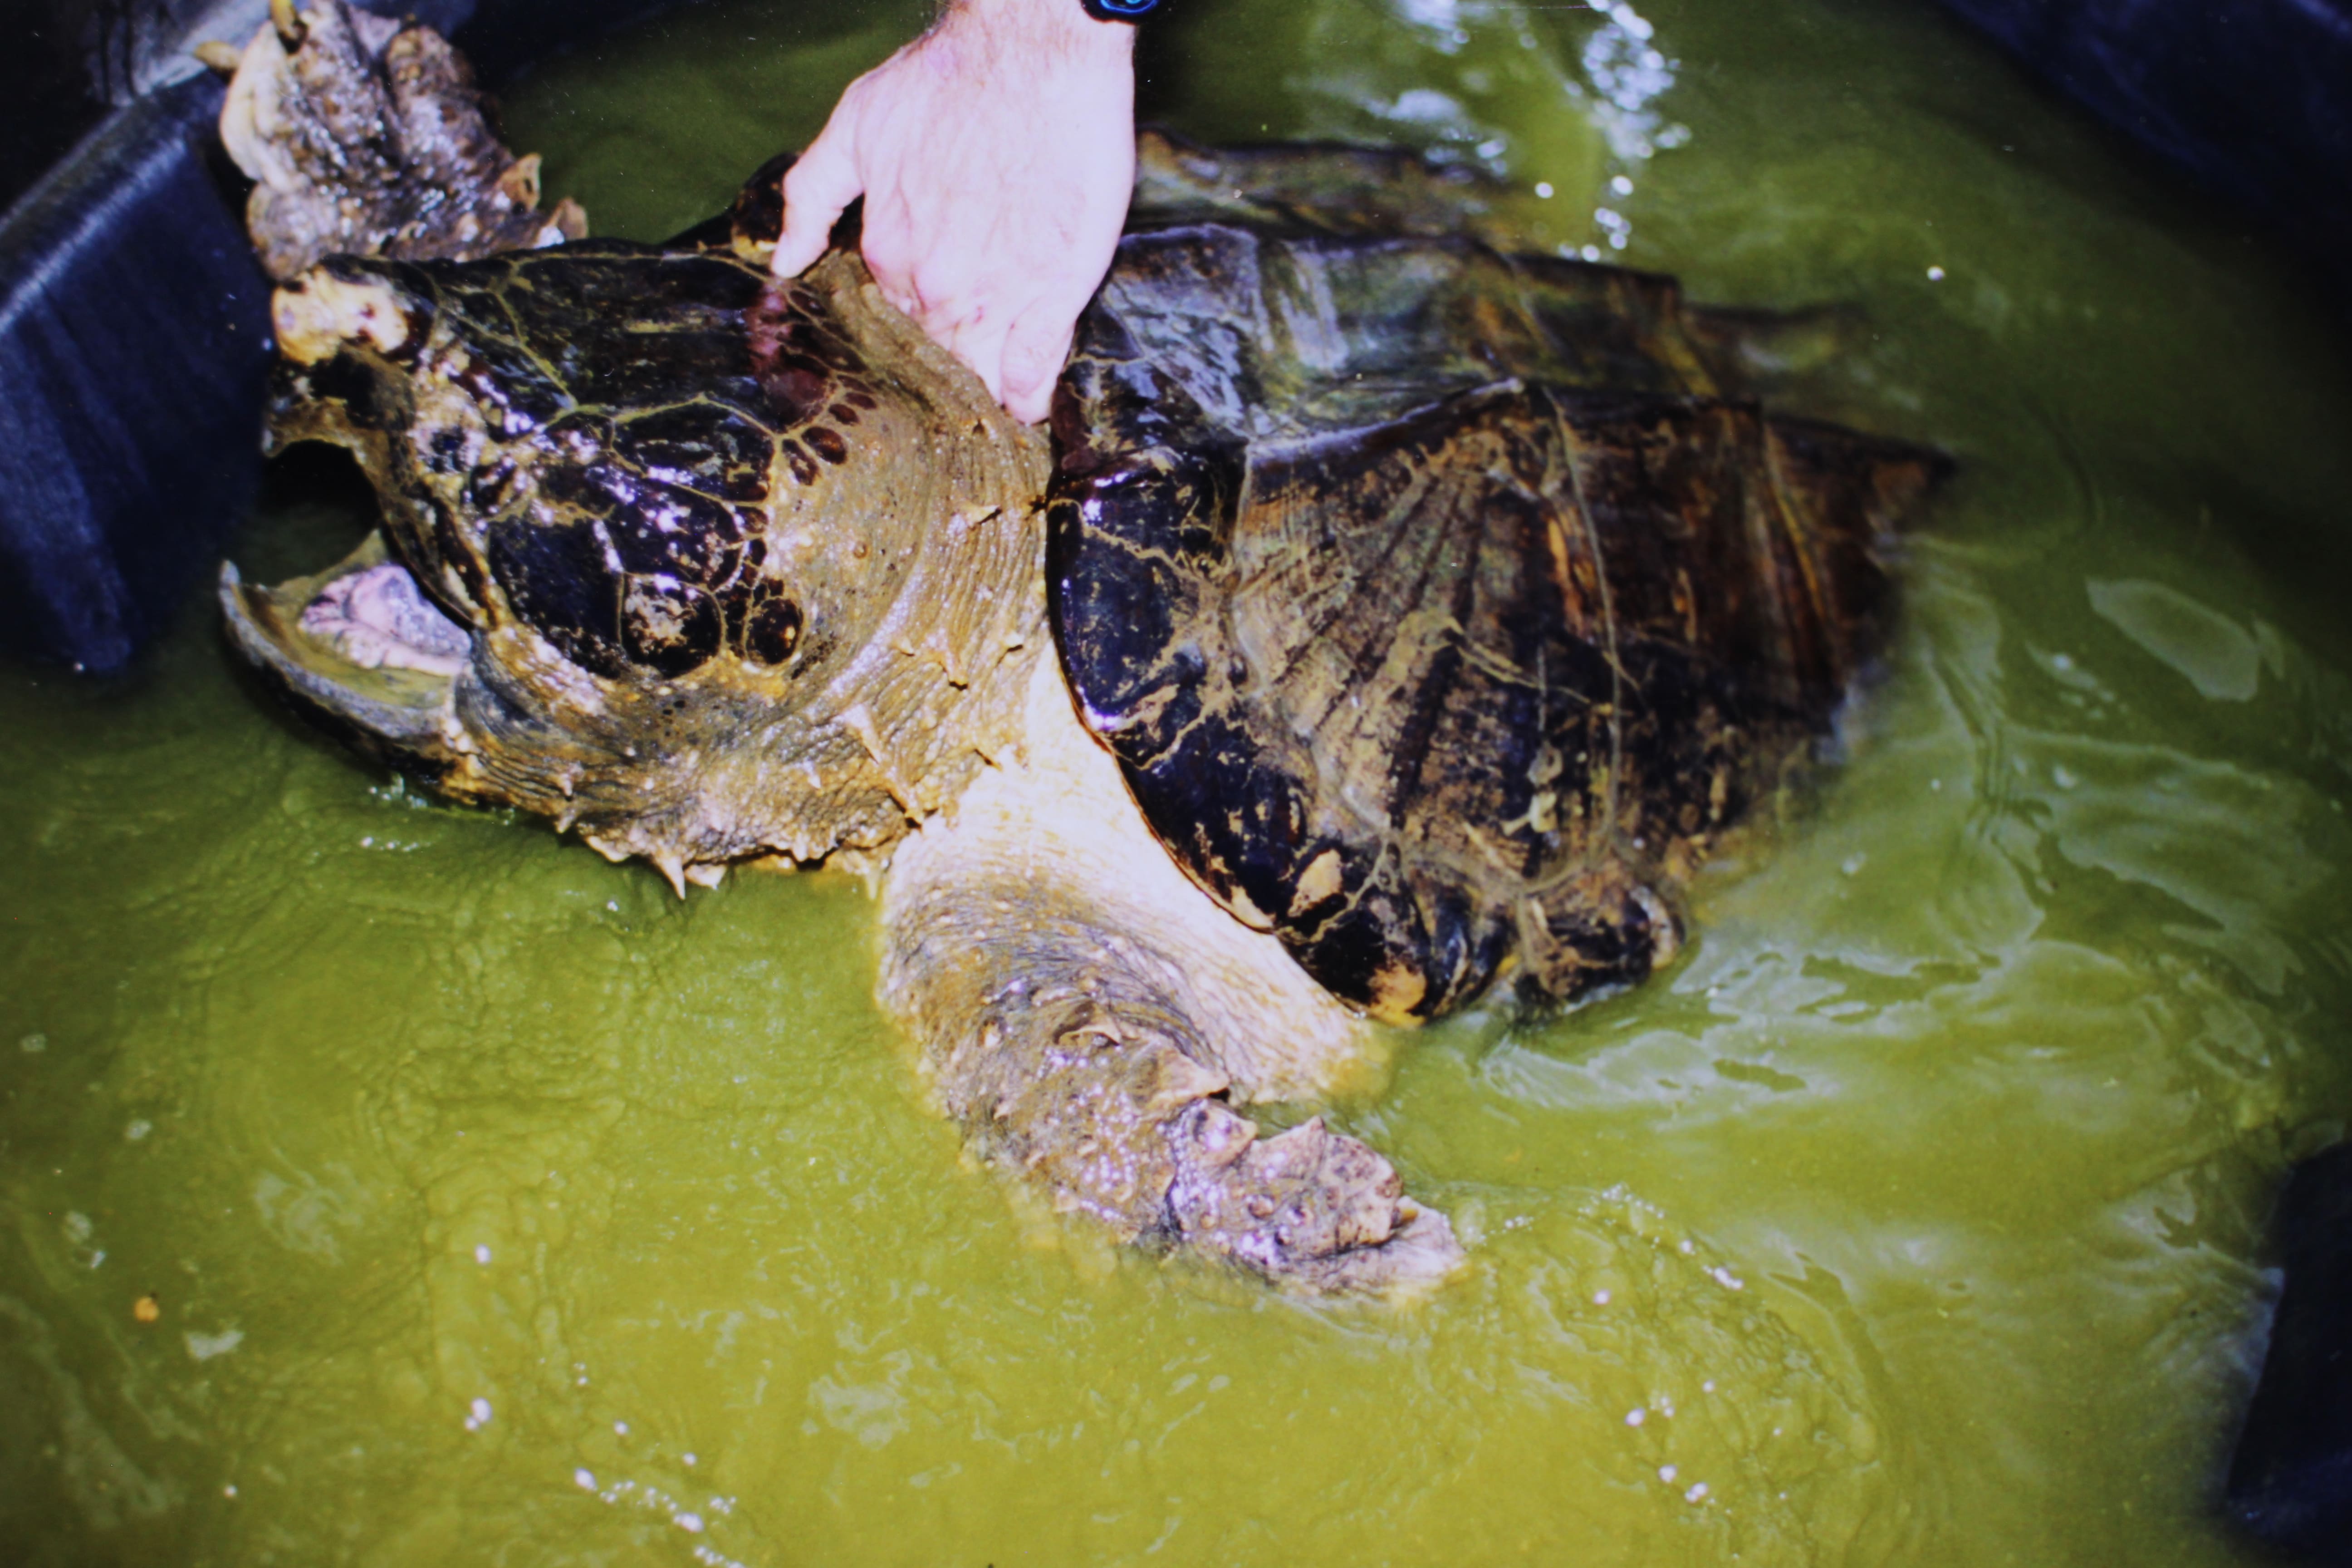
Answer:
(1422, 666)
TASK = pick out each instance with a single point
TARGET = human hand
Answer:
(996, 154)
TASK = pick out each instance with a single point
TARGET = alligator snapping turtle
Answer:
(1384, 612)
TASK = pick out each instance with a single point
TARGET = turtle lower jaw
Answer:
(358, 644)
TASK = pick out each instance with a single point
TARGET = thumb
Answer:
(816, 189)
(1035, 351)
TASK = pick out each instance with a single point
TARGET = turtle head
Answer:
(706, 566)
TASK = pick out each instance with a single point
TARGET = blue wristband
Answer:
(1119, 10)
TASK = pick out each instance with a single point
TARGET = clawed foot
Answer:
(1310, 1209)
(1115, 1120)
(1094, 1025)
(365, 135)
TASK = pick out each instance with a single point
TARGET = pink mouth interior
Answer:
(378, 620)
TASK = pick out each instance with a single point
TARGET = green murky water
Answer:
(501, 1208)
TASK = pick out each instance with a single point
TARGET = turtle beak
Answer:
(336, 305)
(360, 645)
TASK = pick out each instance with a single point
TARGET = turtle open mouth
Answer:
(378, 620)
(359, 641)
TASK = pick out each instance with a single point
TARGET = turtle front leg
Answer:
(1089, 1017)
(1078, 1055)
(366, 136)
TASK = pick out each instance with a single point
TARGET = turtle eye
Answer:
(772, 628)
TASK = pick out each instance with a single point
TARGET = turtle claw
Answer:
(1311, 1210)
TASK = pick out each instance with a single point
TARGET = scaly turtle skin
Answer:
(1432, 609)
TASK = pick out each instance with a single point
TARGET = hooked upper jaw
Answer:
(321, 314)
